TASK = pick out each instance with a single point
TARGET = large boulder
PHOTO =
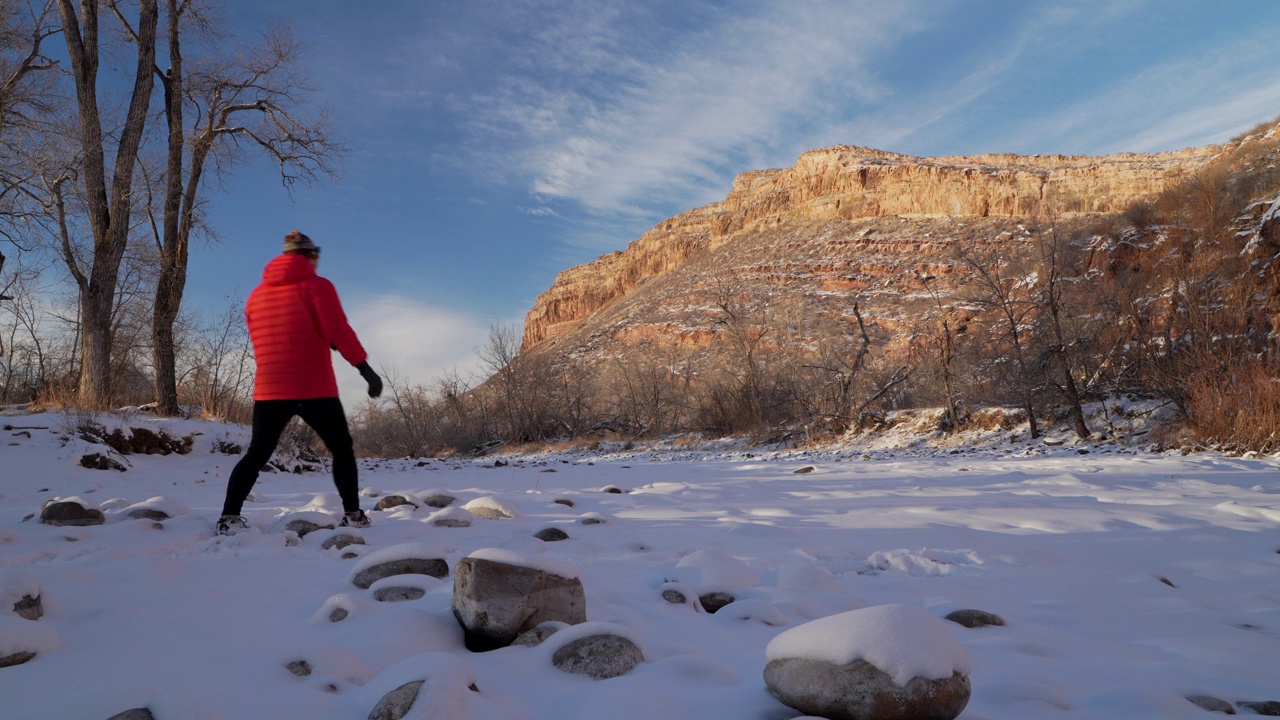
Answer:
(890, 662)
(499, 594)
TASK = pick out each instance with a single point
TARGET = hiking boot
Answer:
(355, 519)
(231, 524)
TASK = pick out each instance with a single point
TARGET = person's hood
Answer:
(287, 269)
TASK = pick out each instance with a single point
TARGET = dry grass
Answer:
(1238, 407)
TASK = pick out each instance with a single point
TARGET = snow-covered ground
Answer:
(1128, 580)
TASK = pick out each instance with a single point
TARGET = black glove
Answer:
(371, 377)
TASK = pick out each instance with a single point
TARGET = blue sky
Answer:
(496, 143)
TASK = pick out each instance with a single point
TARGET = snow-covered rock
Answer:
(498, 594)
(492, 508)
(888, 662)
(72, 511)
(598, 649)
(408, 558)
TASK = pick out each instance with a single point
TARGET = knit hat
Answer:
(297, 243)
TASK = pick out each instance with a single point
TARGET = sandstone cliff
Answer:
(841, 221)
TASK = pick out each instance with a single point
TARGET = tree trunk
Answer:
(173, 246)
(108, 214)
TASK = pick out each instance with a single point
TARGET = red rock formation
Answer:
(842, 220)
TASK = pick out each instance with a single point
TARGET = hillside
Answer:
(842, 223)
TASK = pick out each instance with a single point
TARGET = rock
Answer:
(305, 527)
(338, 615)
(538, 635)
(393, 501)
(341, 540)
(396, 704)
(1212, 704)
(861, 691)
(439, 500)
(1269, 708)
(148, 514)
(134, 714)
(70, 513)
(301, 668)
(29, 607)
(551, 535)
(452, 517)
(974, 618)
(17, 658)
(712, 602)
(398, 594)
(434, 567)
(805, 469)
(98, 461)
(569, 503)
(614, 489)
(675, 597)
(496, 601)
(599, 656)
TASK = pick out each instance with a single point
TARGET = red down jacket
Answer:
(294, 318)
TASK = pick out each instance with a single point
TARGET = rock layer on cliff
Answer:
(842, 221)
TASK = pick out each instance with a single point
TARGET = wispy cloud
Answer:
(645, 122)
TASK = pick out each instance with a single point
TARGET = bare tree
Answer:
(1056, 270)
(108, 194)
(246, 100)
(1007, 297)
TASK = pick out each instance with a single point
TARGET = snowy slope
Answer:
(1128, 580)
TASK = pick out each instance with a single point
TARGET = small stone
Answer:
(974, 618)
(536, 636)
(16, 659)
(98, 461)
(675, 597)
(551, 535)
(29, 608)
(304, 527)
(439, 501)
(569, 503)
(1168, 582)
(301, 668)
(407, 566)
(592, 521)
(599, 656)
(392, 501)
(148, 514)
(711, 602)
(341, 540)
(398, 594)
(1269, 708)
(70, 513)
(338, 615)
(613, 489)
(1212, 704)
(805, 469)
(451, 523)
(396, 704)
(134, 714)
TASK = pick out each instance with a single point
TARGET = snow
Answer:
(1128, 579)
(904, 641)
(527, 560)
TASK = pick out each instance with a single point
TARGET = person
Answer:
(295, 321)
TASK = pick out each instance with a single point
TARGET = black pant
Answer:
(270, 417)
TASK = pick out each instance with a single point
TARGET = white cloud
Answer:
(637, 126)
(416, 341)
